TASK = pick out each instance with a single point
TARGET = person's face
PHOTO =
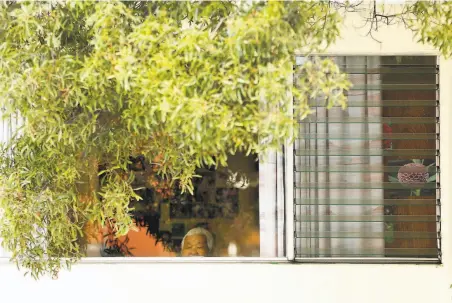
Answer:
(195, 245)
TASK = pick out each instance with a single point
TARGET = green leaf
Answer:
(393, 179)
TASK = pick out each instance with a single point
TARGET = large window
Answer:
(367, 178)
(365, 183)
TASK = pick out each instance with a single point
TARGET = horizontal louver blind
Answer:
(367, 177)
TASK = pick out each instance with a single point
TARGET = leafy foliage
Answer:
(98, 82)
(187, 83)
(432, 23)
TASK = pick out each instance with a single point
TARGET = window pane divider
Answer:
(289, 168)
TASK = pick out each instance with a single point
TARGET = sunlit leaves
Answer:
(322, 81)
(432, 23)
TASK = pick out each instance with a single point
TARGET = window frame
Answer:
(286, 193)
(279, 196)
(442, 94)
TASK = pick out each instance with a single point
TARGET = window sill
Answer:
(383, 261)
(156, 260)
(250, 260)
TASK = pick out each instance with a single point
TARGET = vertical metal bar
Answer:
(289, 172)
(438, 160)
(344, 131)
(327, 224)
(366, 150)
(316, 182)
(280, 203)
(289, 201)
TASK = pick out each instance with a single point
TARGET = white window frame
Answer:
(445, 79)
(271, 195)
(278, 190)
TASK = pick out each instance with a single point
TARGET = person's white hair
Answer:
(200, 231)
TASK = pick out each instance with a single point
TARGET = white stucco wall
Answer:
(307, 283)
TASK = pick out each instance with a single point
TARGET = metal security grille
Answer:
(367, 178)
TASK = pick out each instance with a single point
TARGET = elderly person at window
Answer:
(198, 242)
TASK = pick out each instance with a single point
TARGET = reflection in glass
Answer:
(220, 218)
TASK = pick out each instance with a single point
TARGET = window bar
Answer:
(289, 188)
(327, 192)
(438, 161)
(316, 180)
(365, 131)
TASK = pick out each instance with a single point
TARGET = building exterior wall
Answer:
(244, 282)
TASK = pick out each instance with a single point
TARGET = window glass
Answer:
(367, 177)
(221, 218)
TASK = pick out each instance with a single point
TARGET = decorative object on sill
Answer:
(414, 175)
(232, 249)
